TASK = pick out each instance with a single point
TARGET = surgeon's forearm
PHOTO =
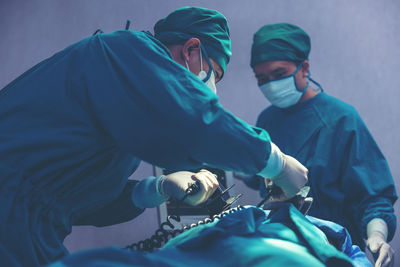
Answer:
(122, 209)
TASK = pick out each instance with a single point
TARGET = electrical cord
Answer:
(167, 229)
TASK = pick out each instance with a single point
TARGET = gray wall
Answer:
(355, 56)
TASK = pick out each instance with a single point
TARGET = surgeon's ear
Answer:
(305, 67)
(190, 44)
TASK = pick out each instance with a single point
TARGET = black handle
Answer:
(193, 189)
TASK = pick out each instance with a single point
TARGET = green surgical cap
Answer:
(282, 41)
(209, 26)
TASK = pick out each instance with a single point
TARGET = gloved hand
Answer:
(376, 243)
(175, 184)
(285, 172)
(292, 177)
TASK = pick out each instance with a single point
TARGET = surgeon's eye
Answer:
(217, 77)
(261, 81)
(278, 75)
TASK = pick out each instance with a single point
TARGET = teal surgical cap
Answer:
(209, 26)
(282, 41)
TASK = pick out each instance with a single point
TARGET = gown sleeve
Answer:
(256, 182)
(120, 210)
(155, 109)
(366, 178)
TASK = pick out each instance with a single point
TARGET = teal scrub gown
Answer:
(74, 127)
(349, 177)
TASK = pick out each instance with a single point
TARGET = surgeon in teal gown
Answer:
(74, 127)
(349, 177)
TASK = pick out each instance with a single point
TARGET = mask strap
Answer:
(187, 65)
(297, 70)
(209, 63)
(201, 61)
(202, 50)
(314, 82)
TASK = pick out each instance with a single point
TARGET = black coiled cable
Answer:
(162, 235)
(167, 229)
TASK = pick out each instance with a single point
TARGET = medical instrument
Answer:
(127, 25)
(218, 206)
(300, 200)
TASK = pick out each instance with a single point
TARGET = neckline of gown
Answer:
(302, 105)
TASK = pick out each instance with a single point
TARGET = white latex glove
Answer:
(285, 172)
(290, 180)
(376, 243)
(175, 184)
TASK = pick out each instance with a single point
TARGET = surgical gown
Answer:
(349, 177)
(74, 127)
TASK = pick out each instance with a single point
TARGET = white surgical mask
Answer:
(210, 82)
(283, 92)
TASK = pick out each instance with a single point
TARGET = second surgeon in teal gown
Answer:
(74, 127)
(349, 177)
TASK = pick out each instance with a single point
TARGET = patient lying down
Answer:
(246, 236)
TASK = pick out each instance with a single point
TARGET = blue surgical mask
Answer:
(283, 92)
